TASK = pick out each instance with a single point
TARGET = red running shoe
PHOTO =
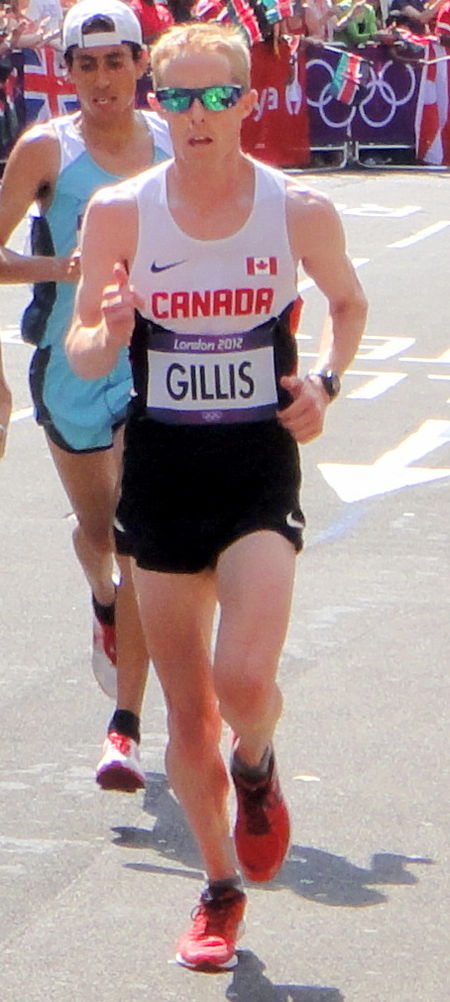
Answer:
(210, 944)
(262, 829)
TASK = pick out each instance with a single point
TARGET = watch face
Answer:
(331, 383)
(336, 384)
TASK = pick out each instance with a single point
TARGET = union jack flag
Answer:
(47, 90)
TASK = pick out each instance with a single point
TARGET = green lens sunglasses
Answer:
(217, 98)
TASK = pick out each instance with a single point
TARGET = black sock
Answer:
(127, 723)
(253, 773)
(105, 613)
(220, 888)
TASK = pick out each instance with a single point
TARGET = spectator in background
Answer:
(357, 25)
(153, 17)
(312, 19)
(181, 10)
(379, 14)
(19, 29)
(49, 11)
(327, 12)
(415, 15)
(318, 18)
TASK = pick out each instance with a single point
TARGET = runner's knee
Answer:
(247, 692)
(194, 731)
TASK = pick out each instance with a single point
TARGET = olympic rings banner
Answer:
(297, 109)
(384, 116)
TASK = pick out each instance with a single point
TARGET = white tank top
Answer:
(213, 298)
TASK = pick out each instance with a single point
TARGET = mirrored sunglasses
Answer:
(217, 98)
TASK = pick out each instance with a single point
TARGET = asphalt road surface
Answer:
(95, 888)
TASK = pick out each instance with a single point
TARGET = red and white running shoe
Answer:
(120, 765)
(218, 921)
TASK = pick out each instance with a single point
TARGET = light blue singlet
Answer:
(79, 415)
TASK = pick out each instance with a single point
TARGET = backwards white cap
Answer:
(123, 25)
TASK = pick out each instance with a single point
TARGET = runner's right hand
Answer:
(119, 302)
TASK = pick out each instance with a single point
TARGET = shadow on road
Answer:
(312, 873)
(249, 984)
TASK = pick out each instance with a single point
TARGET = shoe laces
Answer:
(257, 801)
(216, 917)
(120, 741)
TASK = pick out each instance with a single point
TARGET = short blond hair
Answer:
(183, 39)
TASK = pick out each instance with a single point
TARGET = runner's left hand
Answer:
(304, 417)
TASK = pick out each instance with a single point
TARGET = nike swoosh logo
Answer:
(293, 522)
(163, 267)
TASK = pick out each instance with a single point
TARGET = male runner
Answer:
(58, 165)
(207, 247)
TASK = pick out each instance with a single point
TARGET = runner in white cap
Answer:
(58, 165)
(83, 29)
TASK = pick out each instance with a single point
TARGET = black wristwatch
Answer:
(330, 381)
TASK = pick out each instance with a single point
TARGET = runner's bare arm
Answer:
(30, 174)
(322, 252)
(318, 244)
(104, 316)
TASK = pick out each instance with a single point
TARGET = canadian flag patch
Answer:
(262, 266)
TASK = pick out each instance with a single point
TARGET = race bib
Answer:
(206, 379)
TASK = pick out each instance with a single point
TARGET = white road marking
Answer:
(443, 358)
(440, 360)
(26, 412)
(377, 385)
(391, 471)
(390, 346)
(370, 209)
(428, 231)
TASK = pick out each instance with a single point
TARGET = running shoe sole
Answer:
(116, 777)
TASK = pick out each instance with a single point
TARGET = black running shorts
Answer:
(188, 492)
